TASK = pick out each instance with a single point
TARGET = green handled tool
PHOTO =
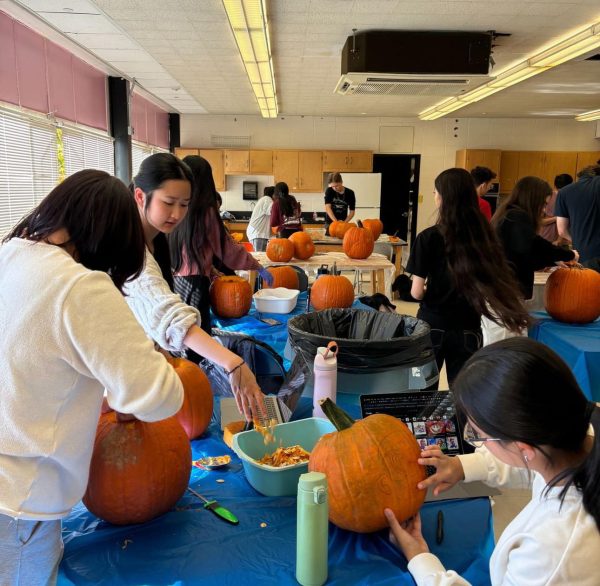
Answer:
(217, 509)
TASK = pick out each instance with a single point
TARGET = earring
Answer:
(526, 458)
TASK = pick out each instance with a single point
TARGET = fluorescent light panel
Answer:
(587, 116)
(574, 46)
(249, 23)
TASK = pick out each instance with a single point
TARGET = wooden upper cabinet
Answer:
(215, 158)
(261, 162)
(558, 162)
(585, 159)
(531, 163)
(509, 170)
(470, 158)
(310, 171)
(237, 162)
(181, 153)
(285, 168)
(358, 161)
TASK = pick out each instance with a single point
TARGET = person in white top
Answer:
(259, 226)
(529, 421)
(162, 190)
(64, 325)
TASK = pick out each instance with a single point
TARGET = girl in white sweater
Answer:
(529, 420)
(163, 191)
(64, 324)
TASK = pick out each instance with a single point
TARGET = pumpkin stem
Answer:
(336, 415)
(334, 270)
(359, 224)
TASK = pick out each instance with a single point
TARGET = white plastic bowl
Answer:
(278, 300)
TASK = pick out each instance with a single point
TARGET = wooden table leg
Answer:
(252, 279)
(398, 260)
(378, 280)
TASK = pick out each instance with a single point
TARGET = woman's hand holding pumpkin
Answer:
(247, 393)
(407, 536)
(448, 470)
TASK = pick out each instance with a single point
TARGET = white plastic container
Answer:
(325, 374)
(278, 300)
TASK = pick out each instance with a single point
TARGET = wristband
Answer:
(230, 372)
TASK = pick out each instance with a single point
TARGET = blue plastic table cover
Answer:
(189, 545)
(577, 344)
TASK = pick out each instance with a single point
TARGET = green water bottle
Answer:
(312, 534)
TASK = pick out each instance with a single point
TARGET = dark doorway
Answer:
(399, 193)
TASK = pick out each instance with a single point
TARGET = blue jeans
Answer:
(30, 551)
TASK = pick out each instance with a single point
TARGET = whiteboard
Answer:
(366, 186)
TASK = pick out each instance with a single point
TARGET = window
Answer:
(139, 152)
(87, 150)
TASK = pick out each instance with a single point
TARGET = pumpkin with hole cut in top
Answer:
(375, 225)
(139, 470)
(196, 411)
(331, 291)
(304, 247)
(358, 242)
(572, 295)
(280, 250)
(230, 296)
(283, 277)
(371, 464)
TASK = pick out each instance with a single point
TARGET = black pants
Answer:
(454, 347)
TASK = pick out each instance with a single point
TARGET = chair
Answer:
(381, 248)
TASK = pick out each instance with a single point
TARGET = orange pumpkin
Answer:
(138, 470)
(343, 228)
(304, 247)
(280, 250)
(230, 296)
(572, 295)
(283, 277)
(375, 225)
(331, 291)
(196, 411)
(371, 465)
(358, 242)
(333, 228)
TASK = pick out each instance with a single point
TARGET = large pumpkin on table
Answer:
(283, 277)
(230, 296)
(304, 247)
(375, 225)
(280, 250)
(333, 228)
(196, 411)
(572, 295)
(358, 242)
(343, 228)
(331, 291)
(139, 470)
(370, 465)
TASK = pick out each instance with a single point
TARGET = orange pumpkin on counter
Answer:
(331, 291)
(280, 250)
(283, 277)
(343, 228)
(376, 227)
(370, 465)
(572, 295)
(304, 247)
(358, 242)
(230, 296)
(333, 228)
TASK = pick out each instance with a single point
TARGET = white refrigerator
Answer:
(367, 188)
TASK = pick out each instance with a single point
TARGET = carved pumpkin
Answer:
(343, 228)
(283, 277)
(230, 296)
(304, 247)
(572, 295)
(138, 470)
(196, 411)
(358, 242)
(376, 226)
(333, 228)
(280, 250)
(331, 291)
(370, 465)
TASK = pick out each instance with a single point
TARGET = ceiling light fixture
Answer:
(249, 23)
(569, 48)
(587, 116)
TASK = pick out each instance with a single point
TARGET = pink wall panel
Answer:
(9, 90)
(162, 129)
(138, 118)
(31, 68)
(90, 95)
(151, 110)
(61, 99)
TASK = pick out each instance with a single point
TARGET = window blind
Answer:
(87, 150)
(139, 152)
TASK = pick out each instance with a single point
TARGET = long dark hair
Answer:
(287, 202)
(519, 390)
(189, 237)
(101, 219)
(475, 257)
(529, 195)
(153, 172)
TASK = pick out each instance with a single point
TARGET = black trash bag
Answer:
(368, 341)
(296, 379)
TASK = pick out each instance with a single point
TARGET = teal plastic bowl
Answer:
(268, 480)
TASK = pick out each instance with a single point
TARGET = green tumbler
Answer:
(312, 534)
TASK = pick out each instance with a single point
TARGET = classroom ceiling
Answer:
(183, 51)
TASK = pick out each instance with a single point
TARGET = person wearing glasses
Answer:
(531, 426)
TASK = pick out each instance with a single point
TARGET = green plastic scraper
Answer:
(217, 509)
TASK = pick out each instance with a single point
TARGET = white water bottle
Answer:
(325, 373)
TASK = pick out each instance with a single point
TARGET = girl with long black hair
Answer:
(532, 426)
(286, 213)
(459, 273)
(162, 190)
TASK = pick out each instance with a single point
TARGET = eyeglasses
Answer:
(471, 437)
